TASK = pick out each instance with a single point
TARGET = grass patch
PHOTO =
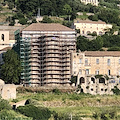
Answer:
(83, 105)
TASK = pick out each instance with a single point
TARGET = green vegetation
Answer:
(112, 42)
(10, 70)
(56, 105)
(63, 105)
(116, 90)
(4, 105)
(107, 10)
(37, 113)
(105, 114)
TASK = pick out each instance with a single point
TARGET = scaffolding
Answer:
(47, 55)
(25, 54)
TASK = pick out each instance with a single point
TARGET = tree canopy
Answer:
(110, 41)
(11, 69)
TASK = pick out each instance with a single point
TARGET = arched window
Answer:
(2, 37)
(94, 32)
(83, 32)
(100, 33)
(82, 80)
(88, 32)
(93, 80)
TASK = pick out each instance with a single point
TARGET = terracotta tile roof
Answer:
(102, 53)
(89, 21)
(47, 27)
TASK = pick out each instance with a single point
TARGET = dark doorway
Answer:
(81, 90)
(93, 79)
(82, 80)
(102, 80)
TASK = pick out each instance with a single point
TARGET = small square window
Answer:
(108, 62)
(86, 61)
(97, 72)
(97, 61)
(91, 89)
(119, 61)
(80, 60)
(87, 71)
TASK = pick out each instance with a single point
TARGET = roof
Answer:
(6, 48)
(89, 21)
(102, 53)
(47, 27)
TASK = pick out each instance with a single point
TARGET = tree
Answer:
(11, 69)
(67, 9)
(23, 21)
(46, 19)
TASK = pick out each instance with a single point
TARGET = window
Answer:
(91, 89)
(108, 72)
(86, 61)
(108, 62)
(97, 61)
(100, 33)
(119, 72)
(119, 61)
(80, 72)
(101, 89)
(2, 37)
(83, 32)
(80, 60)
(97, 72)
(87, 71)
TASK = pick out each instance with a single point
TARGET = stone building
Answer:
(7, 91)
(87, 27)
(45, 52)
(97, 71)
(93, 2)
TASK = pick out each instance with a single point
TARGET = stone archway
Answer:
(88, 32)
(93, 79)
(82, 80)
(94, 32)
(100, 33)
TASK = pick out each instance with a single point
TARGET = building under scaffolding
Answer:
(45, 54)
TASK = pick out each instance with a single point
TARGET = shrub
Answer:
(15, 100)
(56, 91)
(98, 76)
(11, 115)
(23, 21)
(4, 104)
(64, 116)
(116, 90)
(105, 114)
(74, 79)
(37, 113)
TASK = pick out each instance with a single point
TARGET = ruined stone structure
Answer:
(97, 71)
(7, 91)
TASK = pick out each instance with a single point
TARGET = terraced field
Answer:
(83, 105)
